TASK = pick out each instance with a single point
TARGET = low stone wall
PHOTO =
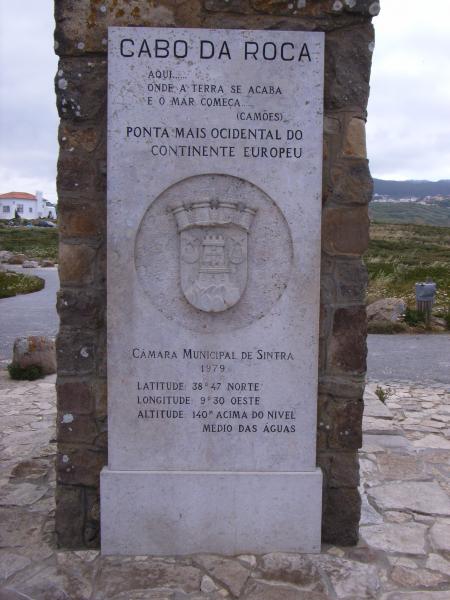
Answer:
(81, 87)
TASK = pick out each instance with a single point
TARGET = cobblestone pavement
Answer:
(404, 552)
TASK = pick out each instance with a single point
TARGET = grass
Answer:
(401, 255)
(36, 242)
(410, 212)
(12, 284)
(29, 373)
(383, 393)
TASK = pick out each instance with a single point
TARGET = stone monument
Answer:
(214, 218)
(81, 42)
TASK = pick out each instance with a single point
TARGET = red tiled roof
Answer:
(18, 196)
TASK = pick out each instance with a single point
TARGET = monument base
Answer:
(174, 512)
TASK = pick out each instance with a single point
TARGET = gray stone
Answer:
(5, 255)
(408, 538)
(222, 250)
(35, 350)
(387, 309)
(21, 494)
(432, 441)
(393, 465)
(229, 573)
(376, 442)
(369, 516)
(373, 407)
(17, 259)
(30, 264)
(440, 536)
(417, 578)
(19, 528)
(437, 563)
(420, 496)
(132, 574)
(207, 585)
(259, 590)
(292, 568)
(11, 563)
(56, 583)
(422, 595)
(350, 579)
(373, 425)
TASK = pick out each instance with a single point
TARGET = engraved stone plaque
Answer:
(214, 214)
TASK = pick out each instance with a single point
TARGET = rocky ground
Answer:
(403, 554)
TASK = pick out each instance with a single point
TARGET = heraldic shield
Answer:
(213, 252)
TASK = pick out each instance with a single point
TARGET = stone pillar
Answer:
(81, 86)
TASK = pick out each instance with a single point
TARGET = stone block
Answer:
(80, 86)
(347, 347)
(17, 259)
(405, 538)
(341, 511)
(80, 309)
(75, 397)
(79, 137)
(79, 465)
(350, 182)
(91, 529)
(344, 470)
(82, 25)
(30, 264)
(424, 497)
(348, 60)
(234, 6)
(35, 351)
(76, 264)
(82, 220)
(291, 568)
(82, 175)
(342, 386)
(72, 428)
(101, 398)
(351, 281)
(340, 420)
(345, 231)
(69, 519)
(75, 352)
(244, 512)
(355, 139)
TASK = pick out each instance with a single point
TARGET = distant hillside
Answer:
(411, 188)
(409, 212)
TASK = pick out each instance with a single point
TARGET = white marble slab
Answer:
(214, 212)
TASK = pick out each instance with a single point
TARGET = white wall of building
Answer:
(26, 208)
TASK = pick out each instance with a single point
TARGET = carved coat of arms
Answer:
(213, 252)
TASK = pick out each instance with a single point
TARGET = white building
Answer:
(26, 205)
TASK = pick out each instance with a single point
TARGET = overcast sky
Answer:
(409, 109)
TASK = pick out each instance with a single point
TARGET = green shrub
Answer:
(25, 373)
(387, 327)
(447, 319)
(383, 394)
(12, 283)
(414, 317)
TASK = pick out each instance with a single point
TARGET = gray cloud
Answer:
(28, 117)
(408, 127)
(408, 123)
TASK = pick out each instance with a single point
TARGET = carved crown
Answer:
(209, 213)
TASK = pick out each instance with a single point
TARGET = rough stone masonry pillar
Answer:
(81, 87)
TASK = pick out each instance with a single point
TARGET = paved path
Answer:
(29, 314)
(403, 553)
(402, 357)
